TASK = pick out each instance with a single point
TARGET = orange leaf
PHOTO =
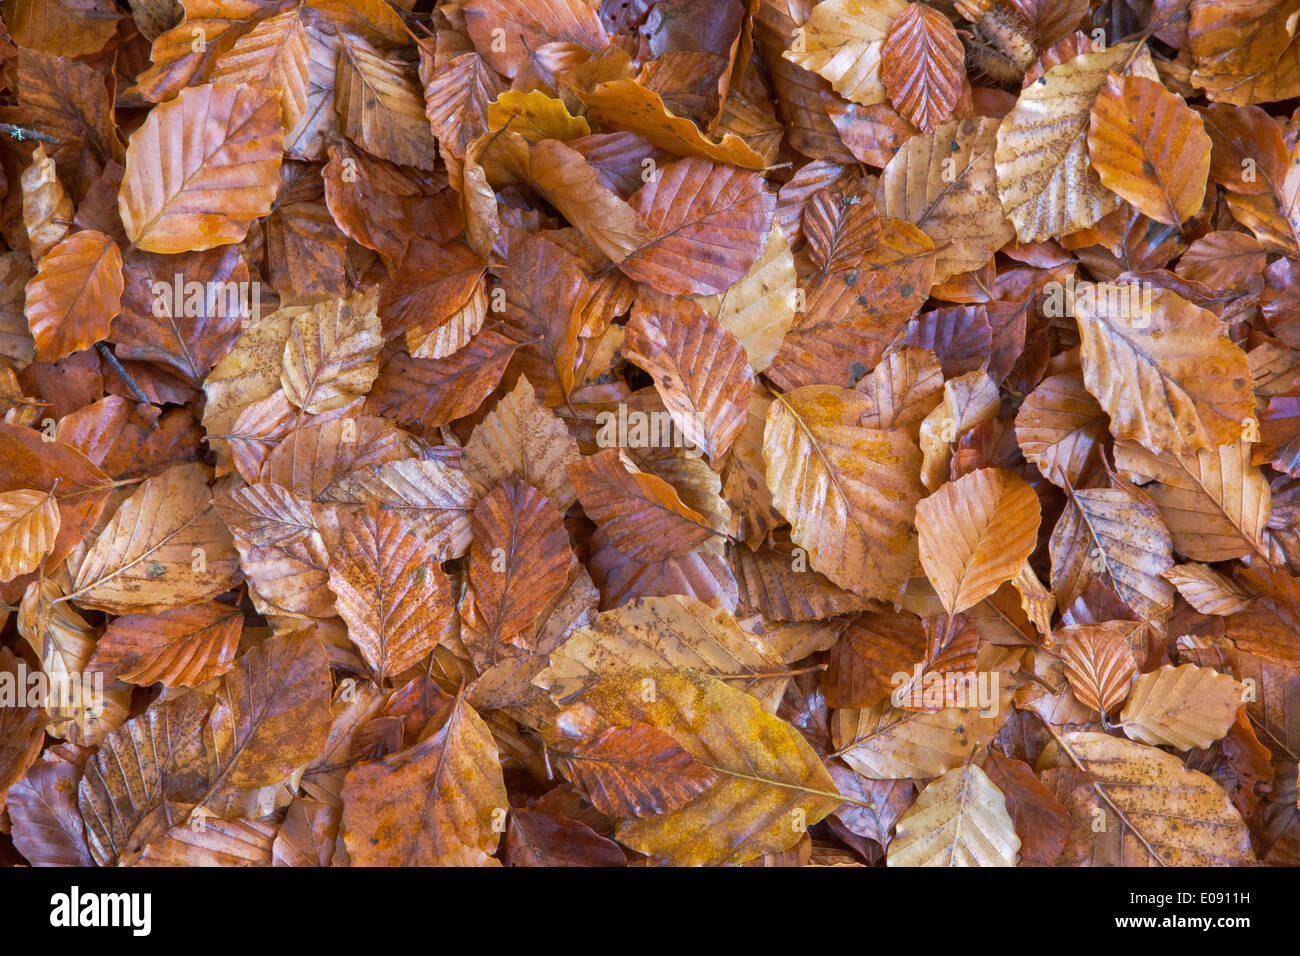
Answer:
(76, 292)
(708, 225)
(519, 560)
(390, 590)
(922, 65)
(1149, 146)
(201, 168)
(642, 514)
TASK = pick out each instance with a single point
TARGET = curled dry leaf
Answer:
(1207, 590)
(1099, 663)
(631, 106)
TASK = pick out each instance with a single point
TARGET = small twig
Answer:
(21, 133)
(123, 374)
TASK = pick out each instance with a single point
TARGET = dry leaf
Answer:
(75, 294)
(1181, 707)
(1047, 185)
(848, 491)
(1166, 373)
(960, 819)
(975, 533)
(390, 590)
(1150, 148)
(224, 177)
(499, 433)
(1099, 663)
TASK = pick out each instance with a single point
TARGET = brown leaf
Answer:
(164, 547)
(1148, 146)
(1060, 428)
(708, 225)
(1047, 185)
(631, 106)
(519, 560)
(434, 804)
(1114, 535)
(47, 827)
(187, 328)
(1099, 663)
(76, 292)
(281, 549)
(1182, 707)
(945, 183)
(1166, 373)
(332, 353)
(849, 492)
(521, 437)
(766, 770)
(221, 181)
(380, 105)
(527, 26)
(700, 372)
(390, 590)
(434, 392)
(637, 771)
(975, 533)
(1041, 822)
(642, 514)
(544, 839)
(29, 523)
(179, 648)
(921, 66)
(1167, 815)
(844, 42)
